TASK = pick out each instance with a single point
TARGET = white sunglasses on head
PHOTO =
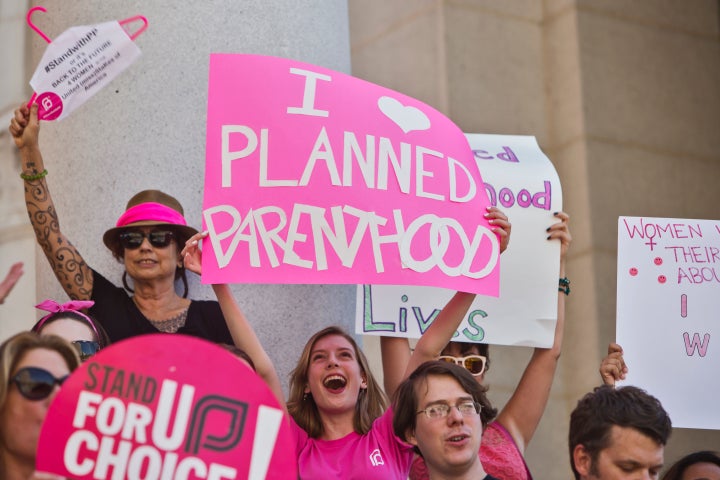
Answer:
(474, 364)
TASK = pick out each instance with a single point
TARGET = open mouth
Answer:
(457, 438)
(335, 382)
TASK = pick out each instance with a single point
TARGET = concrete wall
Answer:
(147, 130)
(17, 242)
(624, 97)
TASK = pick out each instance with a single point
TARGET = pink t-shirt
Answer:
(377, 454)
(498, 454)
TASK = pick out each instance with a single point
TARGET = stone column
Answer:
(147, 130)
(623, 98)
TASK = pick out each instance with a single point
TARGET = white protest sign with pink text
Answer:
(314, 176)
(668, 313)
(522, 182)
(79, 63)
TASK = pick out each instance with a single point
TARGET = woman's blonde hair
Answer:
(371, 402)
(14, 348)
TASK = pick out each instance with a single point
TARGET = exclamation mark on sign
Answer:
(683, 305)
(267, 428)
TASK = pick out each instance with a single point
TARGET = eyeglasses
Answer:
(474, 364)
(442, 410)
(36, 383)
(85, 348)
(157, 238)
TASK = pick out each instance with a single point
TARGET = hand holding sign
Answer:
(668, 273)
(143, 408)
(523, 183)
(313, 176)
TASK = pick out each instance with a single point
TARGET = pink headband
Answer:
(151, 211)
(72, 306)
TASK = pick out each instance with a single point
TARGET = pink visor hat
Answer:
(158, 209)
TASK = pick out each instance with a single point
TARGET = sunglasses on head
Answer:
(85, 348)
(36, 383)
(157, 238)
(474, 364)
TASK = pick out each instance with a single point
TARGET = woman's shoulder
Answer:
(205, 319)
(205, 307)
(104, 291)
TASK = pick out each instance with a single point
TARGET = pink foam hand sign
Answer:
(142, 408)
(314, 176)
(79, 63)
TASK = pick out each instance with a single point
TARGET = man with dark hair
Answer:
(618, 434)
(442, 410)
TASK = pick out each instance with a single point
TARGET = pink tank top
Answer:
(499, 455)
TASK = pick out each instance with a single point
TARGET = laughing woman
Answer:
(340, 417)
(147, 239)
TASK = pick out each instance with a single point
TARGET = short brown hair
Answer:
(405, 402)
(628, 407)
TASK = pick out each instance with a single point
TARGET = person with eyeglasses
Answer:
(442, 411)
(147, 239)
(67, 321)
(505, 439)
(339, 414)
(32, 368)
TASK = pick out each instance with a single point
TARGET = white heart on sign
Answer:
(407, 118)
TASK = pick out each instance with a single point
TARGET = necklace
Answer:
(171, 325)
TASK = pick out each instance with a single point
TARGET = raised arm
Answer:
(613, 366)
(13, 275)
(72, 272)
(241, 331)
(522, 414)
(440, 332)
(395, 352)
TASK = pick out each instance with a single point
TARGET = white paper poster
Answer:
(668, 306)
(78, 64)
(521, 181)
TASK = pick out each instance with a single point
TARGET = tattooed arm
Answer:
(72, 272)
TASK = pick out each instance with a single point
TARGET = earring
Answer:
(125, 284)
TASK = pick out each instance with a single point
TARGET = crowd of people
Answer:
(431, 419)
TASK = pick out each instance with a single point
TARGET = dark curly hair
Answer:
(628, 407)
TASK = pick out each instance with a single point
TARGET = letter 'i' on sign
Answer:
(683, 305)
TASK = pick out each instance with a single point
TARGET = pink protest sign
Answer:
(166, 406)
(314, 176)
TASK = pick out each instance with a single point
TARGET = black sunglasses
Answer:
(157, 238)
(85, 348)
(36, 383)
